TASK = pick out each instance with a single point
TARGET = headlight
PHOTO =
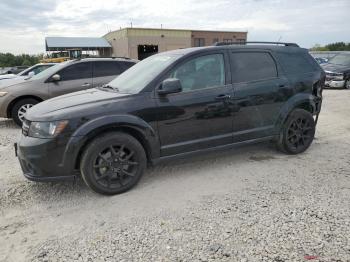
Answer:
(3, 94)
(46, 129)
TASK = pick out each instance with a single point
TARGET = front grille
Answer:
(25, 127)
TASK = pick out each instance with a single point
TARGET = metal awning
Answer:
(83, 43)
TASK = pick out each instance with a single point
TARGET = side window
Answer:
(201, 72)
(41, 68)
(295, 63)
(106, 68)
(252, 66)
(76, 71)
(126, 65)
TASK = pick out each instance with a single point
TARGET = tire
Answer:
(20, 107)
(297, 132)
(347, 84)
(113, 163)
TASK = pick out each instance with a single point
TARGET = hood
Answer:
(14, 81)
(69, 105)
(335, 68)
(7, 76)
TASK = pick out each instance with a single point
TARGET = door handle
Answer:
(223, 97)
(85, 85)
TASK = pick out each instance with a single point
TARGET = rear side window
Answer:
(252, 66)
(107, 68)
(295, 63)
(76, 71)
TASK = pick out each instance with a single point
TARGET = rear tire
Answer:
(297, 132)
(113, 163)
(20, 108)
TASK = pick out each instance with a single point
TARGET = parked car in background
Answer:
(321, 60)
(14, 70)
(33, 70)
(338, 71)
(174, 104)
(74, 75)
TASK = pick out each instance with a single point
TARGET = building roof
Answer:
(57, 43)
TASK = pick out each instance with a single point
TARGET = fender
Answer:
(80, 136)
(294, 102)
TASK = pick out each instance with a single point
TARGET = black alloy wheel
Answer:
(298, 132)
(113, 163)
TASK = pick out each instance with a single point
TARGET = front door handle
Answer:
(223, 97)
(86, 85)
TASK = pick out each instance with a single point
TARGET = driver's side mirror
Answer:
(170, 86)
(56, 77)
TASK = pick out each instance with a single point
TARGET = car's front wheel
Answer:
(347, 84)
(113, 163)
(297, 132)
(20, 108)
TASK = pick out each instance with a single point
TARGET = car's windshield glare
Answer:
(136, 78)
(49, 71)
(340, 60)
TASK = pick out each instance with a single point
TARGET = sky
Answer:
(25, 24)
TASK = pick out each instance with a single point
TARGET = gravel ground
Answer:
(247, 204)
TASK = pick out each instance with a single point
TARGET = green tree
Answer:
(26, 62)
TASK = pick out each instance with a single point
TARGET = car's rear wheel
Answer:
(20, 108)
(113, 163)
(297, 132)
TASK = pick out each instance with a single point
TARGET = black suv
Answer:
(174, 104)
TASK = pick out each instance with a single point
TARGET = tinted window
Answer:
(126, 65)
(252, 66)
(201, 72)
(76, 71)
(107, 68)
(295, 63)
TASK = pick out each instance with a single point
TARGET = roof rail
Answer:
(254, 42)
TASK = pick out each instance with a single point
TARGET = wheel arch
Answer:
(131, 125)
(301, 101)
(14, 101)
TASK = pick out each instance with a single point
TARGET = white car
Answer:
(35, 69)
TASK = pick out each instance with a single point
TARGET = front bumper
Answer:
(42, 159)
(335, 83)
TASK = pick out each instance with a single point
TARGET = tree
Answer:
(8, 59)
(338, 46)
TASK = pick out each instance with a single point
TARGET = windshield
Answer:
(51, 70)
(340, 60)
(140, 75)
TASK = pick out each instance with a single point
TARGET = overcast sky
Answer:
(24, 24)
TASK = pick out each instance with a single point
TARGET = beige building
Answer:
(139, 43)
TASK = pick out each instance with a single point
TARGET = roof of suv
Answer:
(237, 46)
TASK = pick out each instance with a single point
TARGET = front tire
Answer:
(113, 163)
(347, 84)
(20, 108)
(297, 132)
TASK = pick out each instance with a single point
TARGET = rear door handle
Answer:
(86, 85)
(223, 97)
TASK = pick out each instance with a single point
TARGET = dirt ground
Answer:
(247, 204)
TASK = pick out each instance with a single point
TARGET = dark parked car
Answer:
(15, 70)
(338, 71)
(174, 104)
